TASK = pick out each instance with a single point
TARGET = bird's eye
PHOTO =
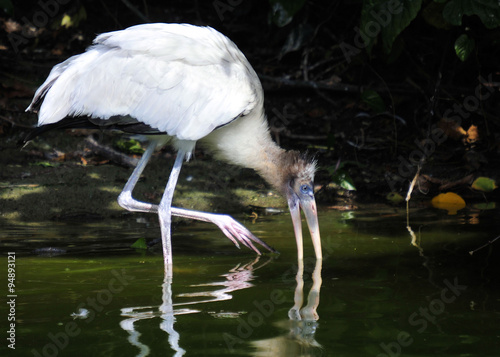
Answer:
(304, 189)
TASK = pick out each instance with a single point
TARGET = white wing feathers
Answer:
(181, 79)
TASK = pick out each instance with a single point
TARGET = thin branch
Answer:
(338, 87)
(408, 196)
(109, 153)
(136, 11)
(490, 242)
(392, 88)
(15, 124)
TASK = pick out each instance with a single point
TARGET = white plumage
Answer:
(170, 76)
(193, 84)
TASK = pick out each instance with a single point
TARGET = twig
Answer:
(305, 68)
(14, 124)
(467, 180)
(332, 86)
(446, 184)
(136, 11)
(305, 137)
(352, 88)
(414, 241)
(393, 106)
(103, 3)
(484, 245)
(288, 134)
(110, 154)
(408, 195)
(339, 87)
(412, 185)
(145, 4)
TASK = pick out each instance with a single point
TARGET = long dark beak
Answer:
(308, 205)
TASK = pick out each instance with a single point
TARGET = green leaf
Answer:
(130, 146)
(487, 10)
(46, 164)
(464, 45)
(140, 244)
(394, 197)
(70, 20)
(282, 11)
(484, 184)
(485, 206)
(342, 179)
(373, 100)
(387, 18)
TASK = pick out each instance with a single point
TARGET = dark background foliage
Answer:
(365, 91)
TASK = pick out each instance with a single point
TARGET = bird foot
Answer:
(236, 232)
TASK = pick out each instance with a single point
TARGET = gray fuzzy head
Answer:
(296, 169)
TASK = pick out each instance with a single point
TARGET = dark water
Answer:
(377, 292)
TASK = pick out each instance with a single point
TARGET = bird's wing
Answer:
(181, 79)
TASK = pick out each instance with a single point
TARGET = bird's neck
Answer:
(247, 142)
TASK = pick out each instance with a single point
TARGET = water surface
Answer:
(382, 289)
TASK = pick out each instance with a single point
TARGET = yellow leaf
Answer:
(66, 21)
(449, 201)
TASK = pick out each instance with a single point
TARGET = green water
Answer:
(379, 294)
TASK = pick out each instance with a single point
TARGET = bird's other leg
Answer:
(228, 225)
(125, 198)
(165, 212)
(231, 228)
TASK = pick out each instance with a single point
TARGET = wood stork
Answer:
(191, 84)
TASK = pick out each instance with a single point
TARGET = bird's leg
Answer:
(165, 211)
(125, 199)
(228, 225)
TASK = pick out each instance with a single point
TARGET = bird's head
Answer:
(297, 186)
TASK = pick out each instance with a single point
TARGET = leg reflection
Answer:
(167, 315)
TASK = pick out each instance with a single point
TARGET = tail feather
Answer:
(67, 123)
(39, 96)
(126, 125)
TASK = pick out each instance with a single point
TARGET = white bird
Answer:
(192, 84)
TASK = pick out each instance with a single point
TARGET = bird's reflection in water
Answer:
(237, 278)
(165, 312)
(302, 324)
